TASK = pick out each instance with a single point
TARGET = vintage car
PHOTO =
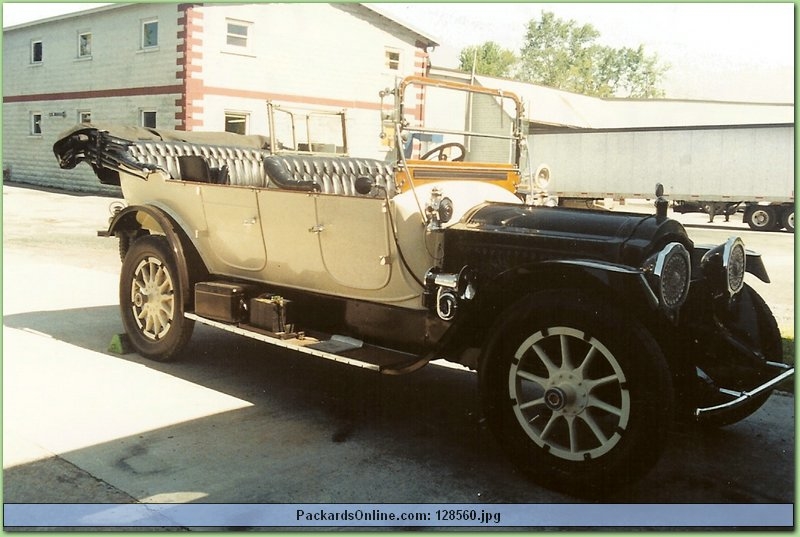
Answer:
(591, 332)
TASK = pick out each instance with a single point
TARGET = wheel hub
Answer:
(555, 399)
(566, 394)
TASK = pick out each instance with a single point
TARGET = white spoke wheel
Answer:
(151, 300)
(577, 391)
(569, 393)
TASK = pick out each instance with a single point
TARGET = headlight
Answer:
(733, 263)
(725, 265)
(670, 273)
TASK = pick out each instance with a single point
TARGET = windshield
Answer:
(307, 131)
(476, 124)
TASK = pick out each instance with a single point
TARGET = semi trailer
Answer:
(712, 169)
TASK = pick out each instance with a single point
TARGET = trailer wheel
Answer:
(761, 218)
(787, 219)
(577, 391)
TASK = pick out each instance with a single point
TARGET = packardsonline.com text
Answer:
(456, 517)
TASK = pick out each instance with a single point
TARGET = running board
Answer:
(337, 348)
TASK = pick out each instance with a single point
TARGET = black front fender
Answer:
(476, 318)
(753, 263)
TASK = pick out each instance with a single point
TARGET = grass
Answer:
(788, 350)
(788, 358)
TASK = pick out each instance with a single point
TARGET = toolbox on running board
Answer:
(221, 301)
(272, 313)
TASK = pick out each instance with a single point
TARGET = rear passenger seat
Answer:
(260, 169)
(244, 165)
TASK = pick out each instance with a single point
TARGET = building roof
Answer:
(557, 108)
(426, 38)
(421, 36)
(103, 7)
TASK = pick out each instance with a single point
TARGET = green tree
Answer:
(566, 55)
(489, 59)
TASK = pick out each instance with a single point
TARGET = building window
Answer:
(85, 45)
(148, 119)
(238, 33)
(36, 124)
(84, 116)
(149, 34)
(393, 59)
(37, 52)
(236, 123)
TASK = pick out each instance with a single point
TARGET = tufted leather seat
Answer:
(260, 169)
(244, 165)
(332, 175)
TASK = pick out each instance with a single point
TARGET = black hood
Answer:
(506, 236)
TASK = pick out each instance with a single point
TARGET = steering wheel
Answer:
(439, 150)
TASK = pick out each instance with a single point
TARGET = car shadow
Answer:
(315, 431)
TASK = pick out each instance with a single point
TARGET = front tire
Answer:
(762, 333)
(151, 300)
(578, 393)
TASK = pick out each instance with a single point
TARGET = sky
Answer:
(716, 51)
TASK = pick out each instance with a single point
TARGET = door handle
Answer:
(316, 229)
(249, 221)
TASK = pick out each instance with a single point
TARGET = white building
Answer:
(205, 67)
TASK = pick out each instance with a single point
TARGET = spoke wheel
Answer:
(151, 300)
(577, 391)
(569, 393)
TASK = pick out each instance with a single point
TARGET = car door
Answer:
(234, 228)
(354, 240)
(288, 220)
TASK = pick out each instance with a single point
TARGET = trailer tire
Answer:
(761, 218)
(787, 219)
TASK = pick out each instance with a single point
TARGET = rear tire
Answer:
(151, 300)
(578, 392)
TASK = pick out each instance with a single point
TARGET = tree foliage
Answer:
(566, 55)
(488, 59)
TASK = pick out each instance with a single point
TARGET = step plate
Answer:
(367, 357)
